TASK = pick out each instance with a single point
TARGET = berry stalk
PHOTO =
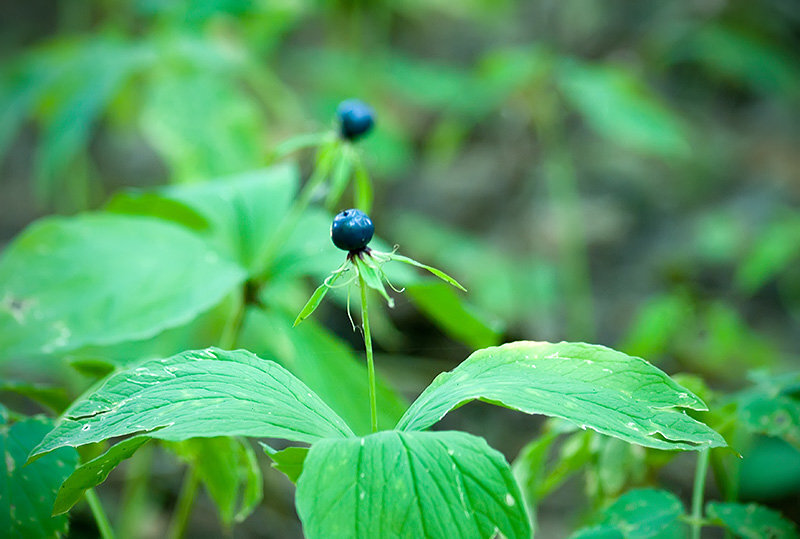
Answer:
(373, 401)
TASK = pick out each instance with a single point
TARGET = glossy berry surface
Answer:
(351, 230)
(355, 118)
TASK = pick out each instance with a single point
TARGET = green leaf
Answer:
(409, 484)
(104, 279)
(439, 273)
(752, 521)
(326, 364)
(363, 186)
(202, 124)
(373, 277)
(598, 532)
(201, 393)
(641, 514)
(772, 407)
(242, 211)
(299, 142)
(54, 398)
(591, 386)
(228, 469)
(619, 107)
(443, 305)
(288, 461)
(340, 177)
(775, 251)
(94, 472)
(27, 492)
(316, 298)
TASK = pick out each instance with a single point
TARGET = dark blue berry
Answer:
(351, 230)
(355, 118)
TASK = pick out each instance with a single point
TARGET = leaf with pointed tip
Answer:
(752, 521)
(439, 273)
(228, 469)
(589, 385)
(27, 491)
(94, 472)
(409, 484)
(202, 393)
(316, 298)
(103, 279)
(373, 277)
(288, 461)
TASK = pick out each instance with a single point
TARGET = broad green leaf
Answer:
(640, 514)
(288, 461)
(409, 484)
(589, 385)
(325, 364)
(94, 472)
(54, 398)
(442, 304)
(202, 124)
(439, 273)
(228, 469)
(598, 532)
(752, 521)
(27, 492)
(104, 279)
(243, 211)
(619, 107)
(201, 393)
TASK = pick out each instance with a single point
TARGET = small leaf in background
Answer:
(363, 187)
(94, 472)
(228, 469)
(141, 276)
(772, 407)
(752, 521)
(202, 124)
(27, 492)
(589, 385)
(243, 211)
(621, 108)
(641, 514)
(202, 393)
(340, 178)
(777, 248)
(459, 320)
(288, 461)
(409, 484)
(54, 398)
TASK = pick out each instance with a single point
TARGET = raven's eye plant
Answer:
(257, 231)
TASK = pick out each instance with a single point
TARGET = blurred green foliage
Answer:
(624, 173)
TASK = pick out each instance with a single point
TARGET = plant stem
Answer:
(183, 509)
(697, 495)
(230, 333)
(292, 217)
(103, 525)
(373, 402)
(135, 498)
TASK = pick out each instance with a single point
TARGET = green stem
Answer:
(135, 497)
(230, 333)
(373, 401)
(292, 217)
(103, 525)
(183, 509)
(697, 495)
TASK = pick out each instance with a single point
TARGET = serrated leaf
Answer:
(409, 484)
(439, 273)
(201, 393)
(288, 461)
(228, 469)
(94, 472)
(104, 279)
(752, 521)
(589, 385)
(27, 492)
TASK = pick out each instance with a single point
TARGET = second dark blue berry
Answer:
(356, 118)
(351, 230)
